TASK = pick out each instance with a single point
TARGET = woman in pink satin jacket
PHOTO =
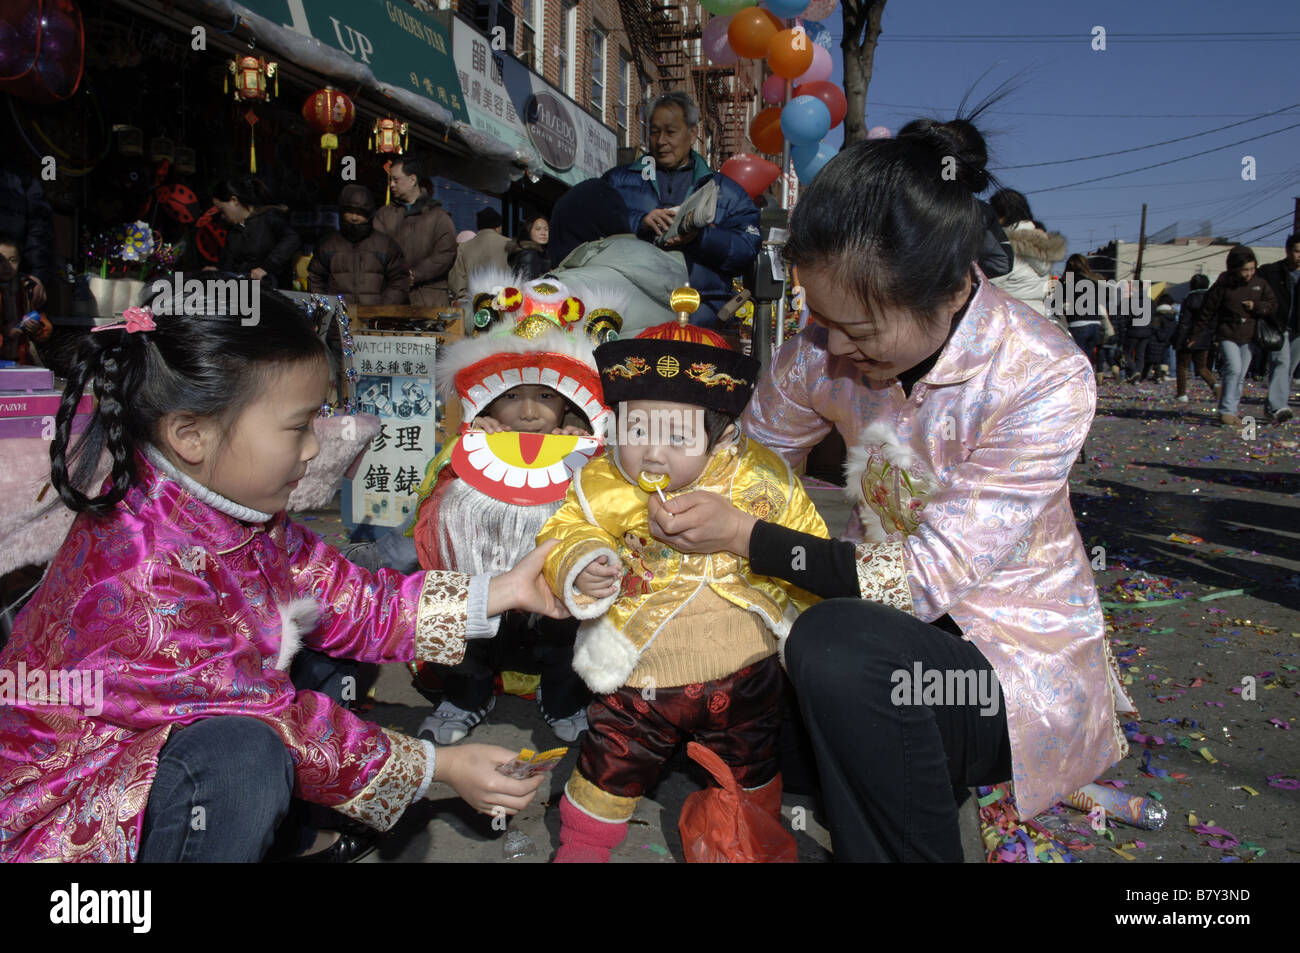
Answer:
(962, 641)
(162, 635)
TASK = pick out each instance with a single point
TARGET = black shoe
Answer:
(351, 846)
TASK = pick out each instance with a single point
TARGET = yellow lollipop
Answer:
(653, 483)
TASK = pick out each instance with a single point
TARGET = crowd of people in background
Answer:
(1243, 325)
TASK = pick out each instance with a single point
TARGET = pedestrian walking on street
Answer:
(1281, 277)
(1194, 351)
(1082, 307)
(1137, 340)
(1236, 300)
(1164, 324)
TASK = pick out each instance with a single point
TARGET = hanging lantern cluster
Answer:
(389, 136)
(329, 111)
(250, 75)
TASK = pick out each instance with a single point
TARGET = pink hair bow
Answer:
(137, 319)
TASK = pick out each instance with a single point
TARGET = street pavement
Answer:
(1205, 626)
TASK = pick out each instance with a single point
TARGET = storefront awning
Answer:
(387, 48)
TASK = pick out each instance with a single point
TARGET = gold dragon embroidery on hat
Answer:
(709, 376)
(634, 367)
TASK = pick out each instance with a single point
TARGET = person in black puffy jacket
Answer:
(260, 242)
(1164, 324)
(1194, 351)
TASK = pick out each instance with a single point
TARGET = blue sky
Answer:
(1071, 101)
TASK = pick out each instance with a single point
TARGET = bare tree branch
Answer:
(861, 33)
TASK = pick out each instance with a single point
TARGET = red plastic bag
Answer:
(729, 825)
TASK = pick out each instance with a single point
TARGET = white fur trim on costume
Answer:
(782, 632)
(297, 618)
(489, 278)
(593, 609)
(603, 656)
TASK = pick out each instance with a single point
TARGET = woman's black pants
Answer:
(901, 714)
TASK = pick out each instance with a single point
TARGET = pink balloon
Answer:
(822, 65)
(773, 89)
(715, 44)
(879, 132)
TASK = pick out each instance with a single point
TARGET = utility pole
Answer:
(1142, 240)
(1295, 219)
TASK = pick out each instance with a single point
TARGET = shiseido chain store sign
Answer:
(551, 129)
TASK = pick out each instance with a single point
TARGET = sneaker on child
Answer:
(567, 729)
(450, 723)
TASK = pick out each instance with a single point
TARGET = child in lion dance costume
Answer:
(675, 646)
(531, 402)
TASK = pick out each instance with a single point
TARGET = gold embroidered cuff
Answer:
(441, 618)
(603, 806)
(381, 802)
(882, 575)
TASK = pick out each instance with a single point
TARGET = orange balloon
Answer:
(750, 32)
(776, 20)
(765, 130)
(790, 53)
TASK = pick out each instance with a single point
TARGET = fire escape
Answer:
(724, 94)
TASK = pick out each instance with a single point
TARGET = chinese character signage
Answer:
(509, 101)
(395, 383)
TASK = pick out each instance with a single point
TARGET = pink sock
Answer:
(583, 839)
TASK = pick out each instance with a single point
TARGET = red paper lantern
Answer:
(329, 111)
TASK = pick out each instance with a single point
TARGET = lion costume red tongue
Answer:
(523, 469)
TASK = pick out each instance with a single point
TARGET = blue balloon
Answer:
(808, 160)
(805, 119)
(787, 8)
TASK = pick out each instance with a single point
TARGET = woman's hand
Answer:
(525, 587)
(257, 274)
(658, 220)
(701, 522)
(599, 579)
(471, 771)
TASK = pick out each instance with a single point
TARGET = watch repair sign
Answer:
(395, 383)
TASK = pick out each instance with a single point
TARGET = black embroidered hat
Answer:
(678, 362)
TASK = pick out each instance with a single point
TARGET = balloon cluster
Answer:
(815, 106)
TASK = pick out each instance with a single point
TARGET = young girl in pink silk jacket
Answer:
(180, 597)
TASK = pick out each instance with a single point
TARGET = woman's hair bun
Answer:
(957, 138)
